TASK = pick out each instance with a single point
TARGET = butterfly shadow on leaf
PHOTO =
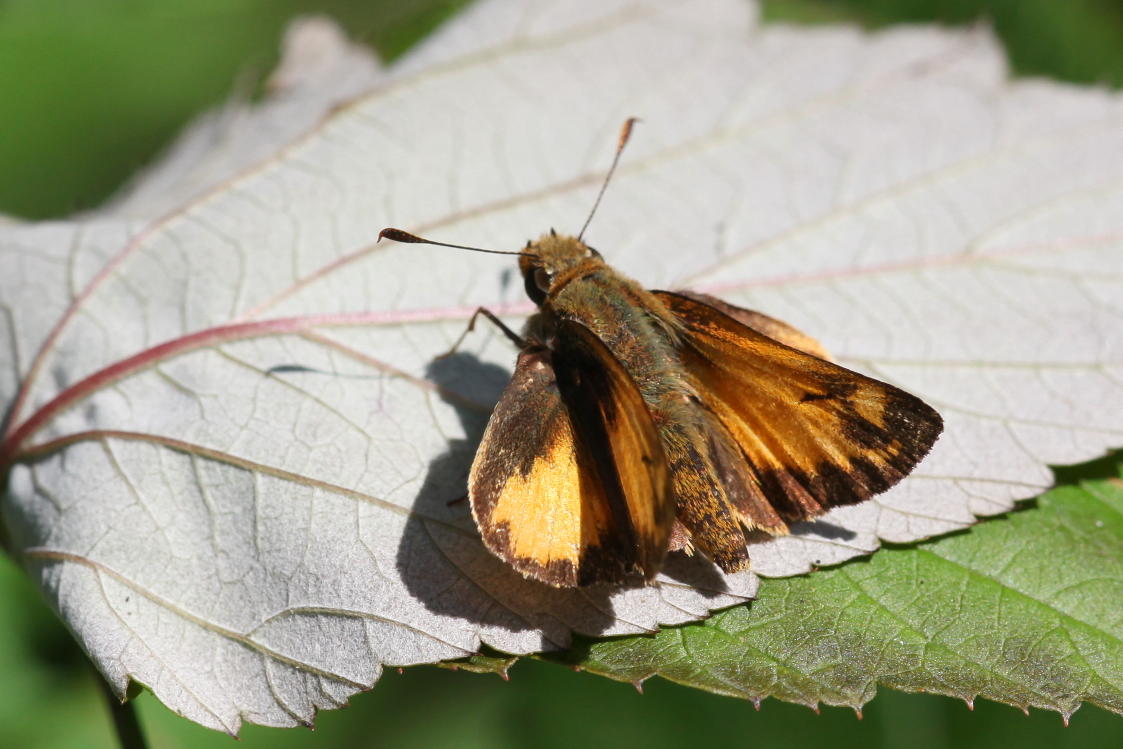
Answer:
(443, 561)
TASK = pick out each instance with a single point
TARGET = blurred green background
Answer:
(90, 90)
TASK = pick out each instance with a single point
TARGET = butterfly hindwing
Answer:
(570, 485)
(815, 435)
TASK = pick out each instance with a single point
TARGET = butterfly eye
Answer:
(593, 253)
(537, 283)
(542, 279)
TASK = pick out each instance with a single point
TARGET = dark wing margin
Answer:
(815, 435)
(569, 484)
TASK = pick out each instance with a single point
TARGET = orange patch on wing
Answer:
(548, 515)
(572, 490)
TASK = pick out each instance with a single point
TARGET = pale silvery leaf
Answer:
(251, 516)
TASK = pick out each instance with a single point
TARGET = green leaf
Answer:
(1079, 41)
(487, 661)
(1025, 610)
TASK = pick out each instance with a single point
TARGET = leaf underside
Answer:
(233, 450)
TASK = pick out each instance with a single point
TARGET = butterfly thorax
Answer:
(570, 280)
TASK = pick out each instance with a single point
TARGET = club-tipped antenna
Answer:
(404, 236)
(625, 133)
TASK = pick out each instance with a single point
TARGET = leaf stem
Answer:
(123, 713)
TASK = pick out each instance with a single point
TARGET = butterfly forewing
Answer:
(777, 330)
(815, 435)
(569, 485)
(615, 425)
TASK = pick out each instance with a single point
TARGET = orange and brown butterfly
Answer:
(640, 422)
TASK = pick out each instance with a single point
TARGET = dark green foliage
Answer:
(90, 91)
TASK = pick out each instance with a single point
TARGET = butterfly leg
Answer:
(512, 335)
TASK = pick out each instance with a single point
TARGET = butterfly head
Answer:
(551, 259)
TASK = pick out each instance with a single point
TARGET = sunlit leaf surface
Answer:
(231, 451)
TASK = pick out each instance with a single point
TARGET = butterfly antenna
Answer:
(625, 133)
(404, 236)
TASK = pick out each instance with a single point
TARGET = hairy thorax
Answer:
(636, 327)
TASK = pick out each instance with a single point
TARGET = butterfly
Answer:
(639, 422)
